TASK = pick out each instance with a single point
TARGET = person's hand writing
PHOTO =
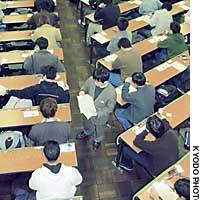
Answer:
(102, 5)
(128, 80)
(81, 93)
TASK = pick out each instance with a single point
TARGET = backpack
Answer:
(165, 94)
(11, 140)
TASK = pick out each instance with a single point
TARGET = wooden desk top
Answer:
(157, 76)
(144, 47)
(183, 162)
(20, 82)
(29, 159)
(18, 56)
(180, 111)
(15, 117)
(20, 4)
(134, 24)
(14, 19)
(15, 35)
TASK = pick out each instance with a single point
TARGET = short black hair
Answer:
(167, 6)
(124, 42)
(122, 23)
(50, 72)
(139, 78)
(182, 187)
(101, 74)
(156, 126)
(51, 150)
(175, 27)
(48, 107)
(42, 43)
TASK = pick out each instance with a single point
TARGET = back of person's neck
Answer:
(51, 119)
(52, 162)
(126, 49)
(140, 86)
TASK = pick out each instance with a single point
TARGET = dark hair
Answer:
(124, 42)
(156, 126)
(49, 72)
(175, 27)
(107, 2)
(167, 6)
(122, 23)
(48, 107)
(139, 78)
(51, 150)
(101, 74)
(182, 187)
(44, 19)
(42, 43)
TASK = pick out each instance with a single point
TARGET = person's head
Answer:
(139, 78)
(167, 6)
(101, 76)
(49, 72)
(107, 2)
(156, 126)
(43, 5)
(48, 107)
(42, 43)
(51, 150)
(175, 27)
(182, 187)
(122, 23)
(124, 43)
(44, 19)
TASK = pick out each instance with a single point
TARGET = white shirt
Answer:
(161, 21)
(55, 186)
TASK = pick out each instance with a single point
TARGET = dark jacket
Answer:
(164, 150)
(109, 15)
(34, 63)
(50, 5)
(141, 102)
(40, 91)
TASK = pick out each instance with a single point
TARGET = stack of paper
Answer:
(100, 38)
(184, 7)
(177, 65)
(162, 67)
(67, 147)
(2, 90)
(86, 105)
(111, 58)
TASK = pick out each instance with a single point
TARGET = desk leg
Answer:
(85, 30)
(91, 50)
(81, 12)
(119, 152)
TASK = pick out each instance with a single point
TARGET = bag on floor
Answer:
(11, 140)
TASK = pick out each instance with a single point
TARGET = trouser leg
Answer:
(92, 29)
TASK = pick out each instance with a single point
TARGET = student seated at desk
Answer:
(156, 155)
(51, 128)
(47, 31)
(141, 101)
(149, 6)
(174, 44)
(104, 96)
(122, 25)
(49, 5)
(108, 13)
(181, 187)
(129, 61)
(36, 62)
(53, 180)
(34, 21)
(46, 88)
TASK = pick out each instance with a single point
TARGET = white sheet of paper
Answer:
(61, 84)
(164, 191)
(111, 58)
(3, 61)
(103, 33)
(138, 2)
(145, 18)
(86, 105)
(25, 55)
(100, 38)
(14, 13)
(9, 2)
(152, 40)
(2, 90)
(180, 3)
(177, 65)
(119, 89)
(184, 7)
(31, 113)
(67, 147)
(179, 169)
(138, 129)
(50, 51)
(162, 67)
(29, 15)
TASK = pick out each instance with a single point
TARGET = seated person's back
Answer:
(107, 12)
(149, 6)
(46, 88)
(35, 63)
(51, 128)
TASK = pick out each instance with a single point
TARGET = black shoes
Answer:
(96, 145)
(82, 136)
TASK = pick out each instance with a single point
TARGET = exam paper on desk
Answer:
(86, 105)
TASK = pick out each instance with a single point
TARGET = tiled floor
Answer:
(101, 180)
